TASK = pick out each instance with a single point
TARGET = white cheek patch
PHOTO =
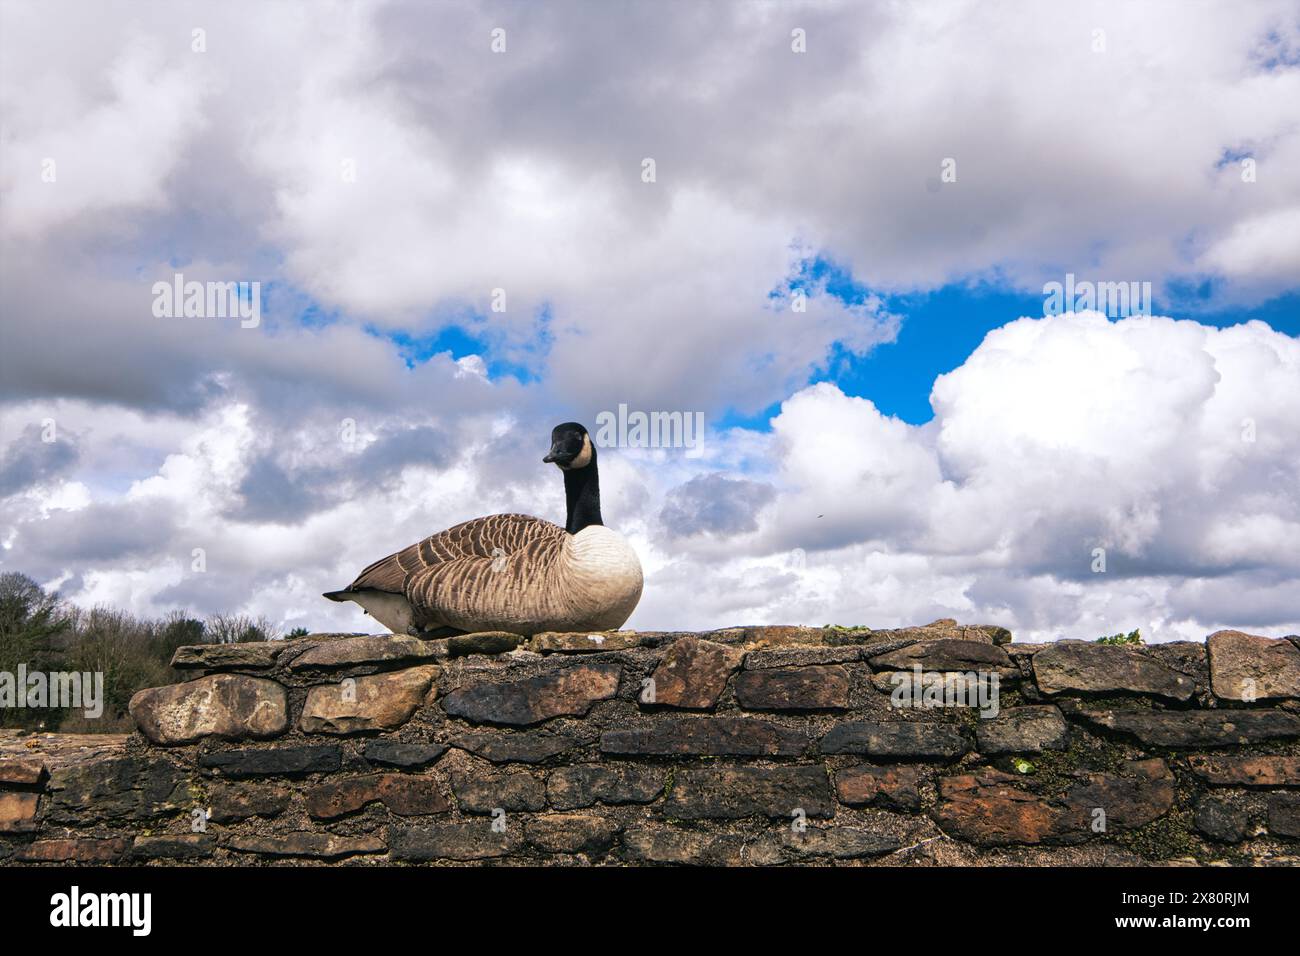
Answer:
(584, 456)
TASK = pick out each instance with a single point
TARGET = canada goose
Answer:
(511, 572)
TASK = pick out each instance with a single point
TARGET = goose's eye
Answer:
(564, 451)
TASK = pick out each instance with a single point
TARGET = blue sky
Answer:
(938, 331)
(941, 329)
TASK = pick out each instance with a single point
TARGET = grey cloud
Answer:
(1242, 600)
(28, 460)
(269, 493)
(98, 339)
(73, 541)
(719, 99)
(223, 588)
(419, 445)
(790, 141)
(714, 504)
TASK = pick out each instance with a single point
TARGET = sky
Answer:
(826, 228)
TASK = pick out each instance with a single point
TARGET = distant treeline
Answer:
(44, 633)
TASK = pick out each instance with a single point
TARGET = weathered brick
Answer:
(1071, 667)
(21, 771)
(568, 788)
(1023, 730)
(707, 736)
(946, 629)
(487, 792)
(930, 690)
(785, 635)
(259, 655)
(1246, 771)
(1195, 728)
(1220, 820)
(731, 792)
(404, 794)
(991, 808)
(1141, 795)
(896, 739)
(227, 706)
(231, 804)
(571, 833)
(1284, 815)
(303, 843)
(18, 811)
(817, 687)
(583, 642)
(365, 704)
(393, 753)
(378, 649)
(451, 841)
(801, 656)
(670, 845)
(134, 788)
(74, 850)
(896, 787)
(483, 642)
(841, 843)
(277, 762)
(1248, 668)
(693, 673)
(945, 655)
(181, 846)
(517, 747)
(569, 692)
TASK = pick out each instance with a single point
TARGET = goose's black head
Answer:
(571, 447)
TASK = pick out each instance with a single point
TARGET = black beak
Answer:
(559, 456)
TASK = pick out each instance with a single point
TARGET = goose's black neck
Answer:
(582, 494)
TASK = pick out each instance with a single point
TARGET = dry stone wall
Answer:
(746, 746)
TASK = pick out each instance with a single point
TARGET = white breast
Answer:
(602, 577)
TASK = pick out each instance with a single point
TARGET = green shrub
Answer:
(30, 623)
(1132, 637)
(41, 631)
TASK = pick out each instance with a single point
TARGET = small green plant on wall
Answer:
(1132, 637)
